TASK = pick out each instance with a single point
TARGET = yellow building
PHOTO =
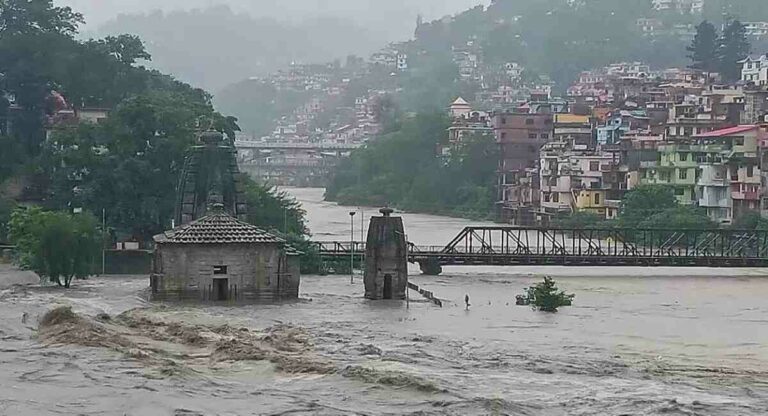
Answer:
(591, 200)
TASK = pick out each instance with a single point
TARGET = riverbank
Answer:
(429, 210)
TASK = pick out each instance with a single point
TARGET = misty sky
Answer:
(366, 11)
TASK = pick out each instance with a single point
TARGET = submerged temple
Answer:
(386, 258)
(213, 255)
(219, 258)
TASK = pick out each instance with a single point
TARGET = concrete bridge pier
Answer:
(386, 258)
(430, 267)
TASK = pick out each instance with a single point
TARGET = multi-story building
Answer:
(754, 69)
(466, 123)
(680, 6)
(763, 155)
(574, 129)
(731, 153)
(520, 137)
(755, 105)
(758, 30)
(580, 180)
(713, 191)
(676, 167)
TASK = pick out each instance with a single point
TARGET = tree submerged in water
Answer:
(545, 296)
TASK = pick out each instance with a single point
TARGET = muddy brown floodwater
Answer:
(638, 341)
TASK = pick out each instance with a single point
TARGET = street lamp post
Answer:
(352, 247)
(362, 223)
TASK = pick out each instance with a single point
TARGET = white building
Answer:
(755, 69)
(756, 29)
(681, 6)
(402, 61)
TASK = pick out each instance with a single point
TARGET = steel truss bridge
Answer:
(511, 246)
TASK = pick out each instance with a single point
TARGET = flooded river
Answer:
(638, 341)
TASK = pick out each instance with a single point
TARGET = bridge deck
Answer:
(506, 246)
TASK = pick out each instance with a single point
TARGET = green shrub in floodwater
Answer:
(545, 296)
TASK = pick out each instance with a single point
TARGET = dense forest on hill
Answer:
(559, 38)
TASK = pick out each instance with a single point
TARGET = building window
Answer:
(683, 174)
(556, 197)
(683, 157)
(503, 135)
(532, 136)
(219, 270)
(679, 191)
(750, 171)
(594, 166)
(597, 199)
(529, 121)
(740, 141)
(503, 120)
(544, 136)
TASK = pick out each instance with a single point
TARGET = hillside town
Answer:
(623, 126)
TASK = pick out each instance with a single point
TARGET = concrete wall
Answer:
(185, 272)
(124, 262)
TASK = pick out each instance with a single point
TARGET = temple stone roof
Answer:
(217, 228)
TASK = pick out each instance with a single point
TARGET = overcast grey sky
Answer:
(366, 11)
(210, 52)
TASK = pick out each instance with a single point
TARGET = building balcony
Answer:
(714, 203)
(648, 164)
(745, 196)
(714, 182)
(556, 206)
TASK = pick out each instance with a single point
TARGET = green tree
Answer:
(274, 209)
(734, 46)
(680, 217)
(750, 221)
(56, 245)
(580, 220)
(21, 17)
(704, 48)
(6, 208)
(127, 49)
(418, 179)
(35, 36)
(644, 202)
(546, 297)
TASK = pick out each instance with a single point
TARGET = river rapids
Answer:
(637, 341)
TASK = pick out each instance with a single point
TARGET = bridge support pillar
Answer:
(386, 258)
(430, 267)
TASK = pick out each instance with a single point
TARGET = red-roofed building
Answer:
(730, 179)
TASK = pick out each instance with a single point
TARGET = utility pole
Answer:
(352, 247)
(407, 289)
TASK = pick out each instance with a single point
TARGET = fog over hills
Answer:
(212, 43)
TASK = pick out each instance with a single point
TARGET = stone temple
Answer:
(213, 255)
(220, 258)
